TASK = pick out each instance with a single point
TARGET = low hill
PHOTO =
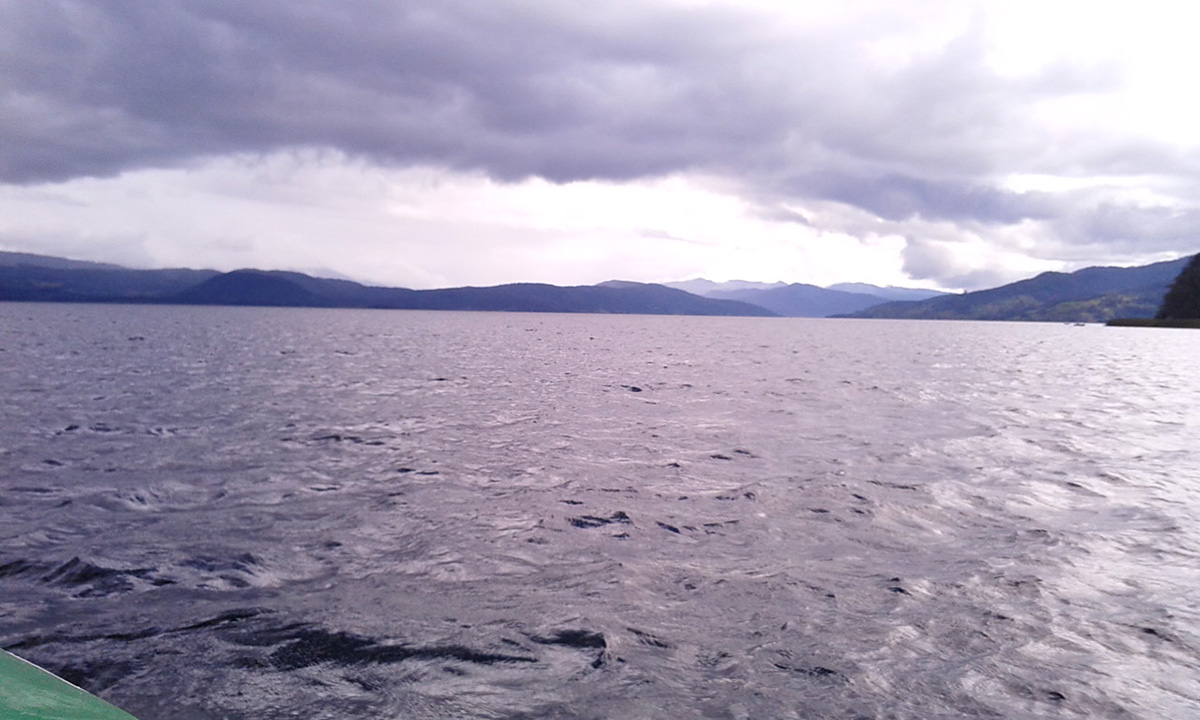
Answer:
(37, 283)
(251, 287)
(48, 261)
(1095, 294)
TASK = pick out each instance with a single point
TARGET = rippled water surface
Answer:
(248, 513)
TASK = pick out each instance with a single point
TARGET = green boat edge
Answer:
(28, 692)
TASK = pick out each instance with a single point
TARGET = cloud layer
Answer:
(873, 122)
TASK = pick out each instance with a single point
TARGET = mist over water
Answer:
(272, 513)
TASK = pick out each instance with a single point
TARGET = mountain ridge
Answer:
(51, 281)
(1093, 294)
(804, 300)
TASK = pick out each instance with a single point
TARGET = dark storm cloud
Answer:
(515, 89)
(1130, 227)
(565, 91)
(897, 197)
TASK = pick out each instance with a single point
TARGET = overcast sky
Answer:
(431, 143)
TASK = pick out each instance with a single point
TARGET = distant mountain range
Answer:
(888, 293)
(704, 287)
(37, 278)
(1094, 294)
(800, 300)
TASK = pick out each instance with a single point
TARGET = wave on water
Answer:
(270, 513)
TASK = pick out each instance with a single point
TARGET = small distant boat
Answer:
(28, 692)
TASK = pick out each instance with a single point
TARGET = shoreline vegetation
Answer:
(1180, 306)
(1153, 322)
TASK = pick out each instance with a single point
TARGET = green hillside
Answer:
(1096, 294)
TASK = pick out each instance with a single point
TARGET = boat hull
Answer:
(28, 692)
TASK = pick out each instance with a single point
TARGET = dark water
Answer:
(245, 513)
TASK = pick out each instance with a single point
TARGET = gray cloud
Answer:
(1132, 228)
(616, 91)
(516, 89)
(897, 197)
(925, 260)
(612, 90)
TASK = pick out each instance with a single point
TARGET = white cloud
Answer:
(421, 227)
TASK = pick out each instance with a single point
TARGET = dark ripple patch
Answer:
(650, 639)
(22, 567)
(893, 485)
(243, 563)
(579, 639)
(737, 495)
(226, 618)
(237, 572)
(573, 638)
(95, 676)
(125, 637)
(1155, 633)
(100, 581)
(80, 572)
(352, 439)
(592, 521)
(786, 661)
(230, 617)
(813, 671)
(313, 646)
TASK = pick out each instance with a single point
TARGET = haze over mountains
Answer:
(801, 300)
(1089, 295)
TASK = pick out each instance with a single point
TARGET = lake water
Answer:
(239, 513)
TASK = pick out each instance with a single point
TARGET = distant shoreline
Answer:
(1151, 322)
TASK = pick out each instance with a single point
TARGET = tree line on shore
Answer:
(1182, 301)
